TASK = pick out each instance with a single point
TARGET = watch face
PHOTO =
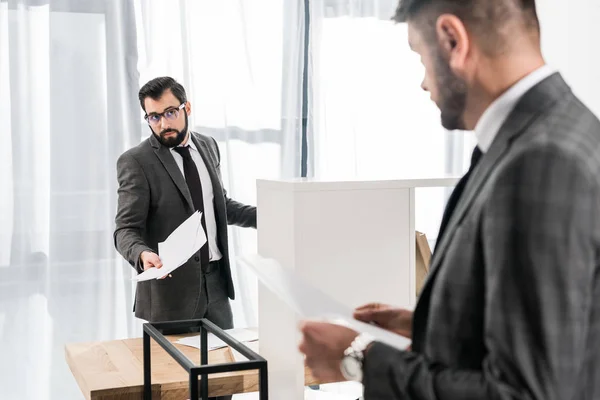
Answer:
(351, 369)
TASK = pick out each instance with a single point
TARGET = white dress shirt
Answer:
(207, 197)
(494, 116)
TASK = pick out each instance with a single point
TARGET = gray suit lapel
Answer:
(533, 104)
(167, 160)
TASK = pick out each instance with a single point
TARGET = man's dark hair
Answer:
(486, 18)
(157, 86)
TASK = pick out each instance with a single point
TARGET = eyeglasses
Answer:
(170, 114)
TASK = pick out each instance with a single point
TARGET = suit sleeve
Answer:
(132, 210)
(237, 213)
(539, 234)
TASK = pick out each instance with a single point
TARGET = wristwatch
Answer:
(352, 363)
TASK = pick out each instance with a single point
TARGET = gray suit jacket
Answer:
(154, 200)
(511, 308)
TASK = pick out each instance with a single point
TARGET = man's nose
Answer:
(164, 124)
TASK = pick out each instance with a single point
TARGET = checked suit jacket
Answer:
(511, 306)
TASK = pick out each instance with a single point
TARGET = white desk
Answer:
(353, 239)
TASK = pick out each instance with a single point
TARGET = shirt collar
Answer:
(494, 116)
(190, 143)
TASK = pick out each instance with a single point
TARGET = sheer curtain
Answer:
(69, 112)
(70, 71)
(370, 118)
(243, 82)
(66, 112)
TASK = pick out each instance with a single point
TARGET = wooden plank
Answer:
(72, 352)
(106, 369)
(423, 258)
(114, 370)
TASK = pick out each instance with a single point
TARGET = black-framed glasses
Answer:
(170, 114)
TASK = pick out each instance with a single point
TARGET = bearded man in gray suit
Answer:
(162, 181)
(511, 306)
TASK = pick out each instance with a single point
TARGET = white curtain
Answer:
(70, 71)
(68, 80)
(240, 65)
(66, 116)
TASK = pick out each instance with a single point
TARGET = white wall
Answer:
(570, 31)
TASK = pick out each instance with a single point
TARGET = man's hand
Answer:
(151, 260)
(397, 320)
(324, 345)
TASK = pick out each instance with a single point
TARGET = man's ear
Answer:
(188, 108)
(453, 41)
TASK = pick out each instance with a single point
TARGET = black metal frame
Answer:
(155, 330)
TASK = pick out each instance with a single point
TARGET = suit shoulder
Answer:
(574, 129)
(209, 140)
(568, 130)
(211, 145)
(137, 152)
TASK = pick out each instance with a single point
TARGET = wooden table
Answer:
(114, 370)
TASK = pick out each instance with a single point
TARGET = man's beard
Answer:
(172, 141)
(452, 94)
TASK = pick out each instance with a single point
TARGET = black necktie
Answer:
(456, 193)
(190, 170)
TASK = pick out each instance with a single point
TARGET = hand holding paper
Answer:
(394, 319)
(310, 302)
(186, 240)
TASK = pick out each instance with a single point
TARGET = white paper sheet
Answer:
(237, 356)
(310, 302)
(181, 244)
(241, 335)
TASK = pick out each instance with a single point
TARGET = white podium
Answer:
(355, 240)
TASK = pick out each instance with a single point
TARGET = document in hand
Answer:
(310, 302)
(181, 244)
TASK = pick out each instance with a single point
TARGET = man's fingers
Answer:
(368, 307)
(305, 342)
(374, 317)
(156, 261)
(369, 312)
(380, 317)
(149, 265)
(364, 316)
(310, 330)
(371, 307)
(153, 262)
(307, 328)
(310, 326)
(302, 346)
